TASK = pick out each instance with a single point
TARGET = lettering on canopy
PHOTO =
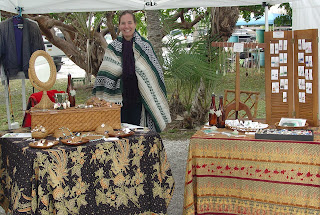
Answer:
(151, 3)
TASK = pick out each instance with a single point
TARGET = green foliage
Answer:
(258, 11)
(186, 67)
(141, 23)
(246, 11)
(287, 7)
(170, 22)
(284, 19)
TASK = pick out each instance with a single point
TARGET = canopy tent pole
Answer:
(266, 11)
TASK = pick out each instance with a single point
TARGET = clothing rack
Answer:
(14, 125)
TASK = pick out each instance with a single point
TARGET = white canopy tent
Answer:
(58, 6)
(49, 6)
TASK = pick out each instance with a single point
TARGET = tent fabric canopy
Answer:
(260, 21)
(58, 6)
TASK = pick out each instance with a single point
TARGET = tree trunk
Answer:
(154, 31)
(85, 52)
(199, 111)
(223, 21)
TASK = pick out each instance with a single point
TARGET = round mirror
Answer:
(42, 75)
(42, 69)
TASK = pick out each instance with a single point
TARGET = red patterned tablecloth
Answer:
(246, 176)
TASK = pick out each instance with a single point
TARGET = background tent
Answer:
(306, 15)
(260, 21)
(49, 6)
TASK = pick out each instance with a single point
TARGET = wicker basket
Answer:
(76, 119)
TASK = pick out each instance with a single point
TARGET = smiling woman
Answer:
(132, 75)
(127, 25)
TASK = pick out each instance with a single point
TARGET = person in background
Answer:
(131, 75)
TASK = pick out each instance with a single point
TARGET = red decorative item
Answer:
(33, 100)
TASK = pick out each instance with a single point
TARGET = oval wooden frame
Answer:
(39, 85)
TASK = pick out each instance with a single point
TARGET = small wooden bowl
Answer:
(39, 134)
(43, 144)
(62, 133)
(121, 134)
(292, 127)
(74, 141)
(103, 130)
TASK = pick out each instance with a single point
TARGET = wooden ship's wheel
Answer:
(237, 105)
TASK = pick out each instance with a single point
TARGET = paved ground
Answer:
(177, 152)
(70, 67)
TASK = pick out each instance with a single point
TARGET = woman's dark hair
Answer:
(127, 12)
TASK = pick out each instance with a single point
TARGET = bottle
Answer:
(71, 92)
(221, 114)
(212, 112)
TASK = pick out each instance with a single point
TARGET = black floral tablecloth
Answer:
(128, 176)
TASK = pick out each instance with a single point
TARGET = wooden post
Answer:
(237, 105)
(237, 95)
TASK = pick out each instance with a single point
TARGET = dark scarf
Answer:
(130, 90)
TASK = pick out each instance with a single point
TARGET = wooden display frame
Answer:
(308, 109)
(276, 106)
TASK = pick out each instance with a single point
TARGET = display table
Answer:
(241, 175)
(129, 176)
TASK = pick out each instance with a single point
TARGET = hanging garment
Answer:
(16, 48)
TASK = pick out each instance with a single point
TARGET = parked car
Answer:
(244, 35)
(54, 52)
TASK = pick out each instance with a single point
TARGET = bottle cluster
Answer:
(217, 116)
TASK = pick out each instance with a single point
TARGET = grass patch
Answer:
(178, 134)
(83, 94)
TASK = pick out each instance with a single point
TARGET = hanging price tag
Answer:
(238, 47)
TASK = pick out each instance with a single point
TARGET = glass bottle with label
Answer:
(71, 92)
(212, 111)
(221, 114)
